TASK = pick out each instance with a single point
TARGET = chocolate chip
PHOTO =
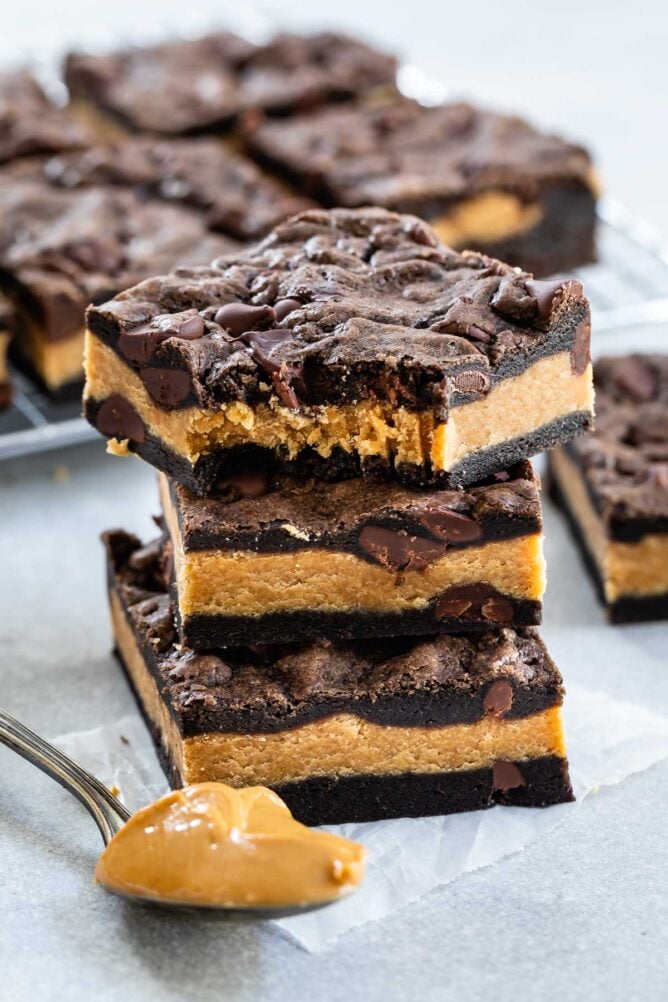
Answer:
(284, 307)
(397, 550)
(168, 387)
(145, 556)
(471, 381)
(478, 334)
(637, 379)
(249, 484)
(117, 418)
(139, 345)
(191, 329)
(497, 609)
(237, 318)
(262, 343)
(450, 525)
(450, 608)
(498, 698)
(506, 776)
(580, 353)
(545, 292)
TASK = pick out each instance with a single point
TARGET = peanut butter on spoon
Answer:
(214, 846)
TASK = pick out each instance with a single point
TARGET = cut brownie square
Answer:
(194, 86)
(346, 342)
(61, 250)
(613, 486)
(272, 561)
(484, 181)
(345, 732)
(234, 195)
(31, 124)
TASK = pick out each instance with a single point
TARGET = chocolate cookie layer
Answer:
(204, 84)
(282, 560)
(463, 721)
(60, 250)
(484, 181)
(31, 124)
(234, 195)
(614, 487)
(352, 335)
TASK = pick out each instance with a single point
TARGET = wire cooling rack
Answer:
(627, 288)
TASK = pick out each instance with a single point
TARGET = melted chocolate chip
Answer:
(117, 418)
(284, 307)
(581, 354)
(506, 776)
(397, 550)
(483, 602)
(497, 609)
(498, 698)
(238, 318)
(139, 345)
(449, 525)
(191, 329)
(544, 292)
(262, 343)
(168, 387)
(512, 300)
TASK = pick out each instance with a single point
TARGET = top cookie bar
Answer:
(484, 181)
(346, 342)
(194, 86)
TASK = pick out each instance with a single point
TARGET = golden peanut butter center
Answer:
(212, 845)
(546, 391)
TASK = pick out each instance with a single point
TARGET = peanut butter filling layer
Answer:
(626, 569)
(486, 218)
(340, 745)
(218, 582)
(56, 362)
(517, 406)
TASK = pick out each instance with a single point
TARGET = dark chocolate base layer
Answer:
(628, 608)
(203, 476)
(565, 237)
(211, 632)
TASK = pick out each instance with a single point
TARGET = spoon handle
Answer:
(108, 812)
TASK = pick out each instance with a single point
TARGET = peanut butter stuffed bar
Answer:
(270, 561)
(346, 342)
(613, 486)
(484, 181)
(345, 732)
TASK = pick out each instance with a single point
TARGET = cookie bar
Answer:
(484, 181)
(613, 486)
(61, 250)
(346, 342)
(345, 732)
(31, 124)
(205, 84)
(281, 561)
(234, 195)
(6, 332)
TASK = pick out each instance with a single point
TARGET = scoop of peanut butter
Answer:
(212, 845)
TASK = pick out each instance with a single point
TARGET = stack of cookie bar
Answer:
(343, 599)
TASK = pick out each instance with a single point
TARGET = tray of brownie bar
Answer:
(155, 189)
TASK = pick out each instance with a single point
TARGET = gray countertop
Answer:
(582, 912)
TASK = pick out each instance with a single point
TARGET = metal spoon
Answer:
(110, 815)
